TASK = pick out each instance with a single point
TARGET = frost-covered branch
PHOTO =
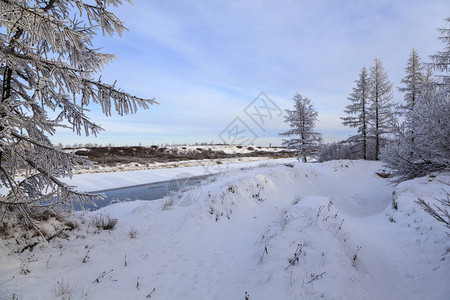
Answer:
(48, 63)
(439, 212)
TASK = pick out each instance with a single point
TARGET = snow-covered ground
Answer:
(278, 231)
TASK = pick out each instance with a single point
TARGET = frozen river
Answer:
(151, 191)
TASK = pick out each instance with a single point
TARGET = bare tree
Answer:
(48, 63)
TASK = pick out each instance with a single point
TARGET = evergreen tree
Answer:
(413, 81)
(302, 121)
(380, 111)
(48, 63)
(358, 112)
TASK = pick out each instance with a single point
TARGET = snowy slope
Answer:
(287, 231)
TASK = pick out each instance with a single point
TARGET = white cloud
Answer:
(205, 61)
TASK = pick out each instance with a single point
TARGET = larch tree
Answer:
(413, 85)
(425, 149)
(380, 111)
(441, 60)
(429, 84)
(412, 82)
(302, 121)
(357, 112)
(48, 63)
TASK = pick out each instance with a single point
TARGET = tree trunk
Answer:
(377, 126)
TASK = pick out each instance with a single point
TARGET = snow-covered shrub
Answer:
(341, 150)
(348, 149)
(64, 290)
(133, 233)
(104, 222)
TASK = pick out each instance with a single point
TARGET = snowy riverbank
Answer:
(110, 180)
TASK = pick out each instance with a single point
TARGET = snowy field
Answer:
(283, 230)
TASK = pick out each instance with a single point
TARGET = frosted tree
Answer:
(413, 85)
(357, 112)
(380, 111)
(413, 81)
(429, 87)
(441, 60)
(48, 63)
(302, 120)
(425, 149)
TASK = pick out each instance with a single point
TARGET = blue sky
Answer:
(206, 61)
